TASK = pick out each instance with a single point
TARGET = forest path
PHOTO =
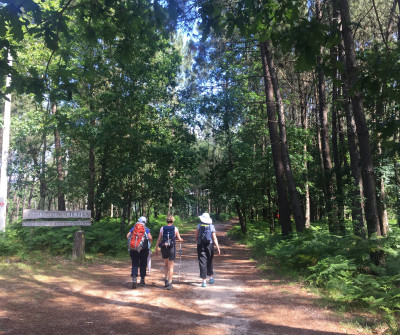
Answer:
(97, 299)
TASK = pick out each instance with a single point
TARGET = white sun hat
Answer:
(205, 218)
(142, 219)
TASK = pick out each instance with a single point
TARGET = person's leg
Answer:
(143, 265)
(165, 256)
(201, 255)
(135, 264)
(172, 255)
(210, 256)
(171, 271)
(166, 269)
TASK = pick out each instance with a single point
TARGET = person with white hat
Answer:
(206, 238)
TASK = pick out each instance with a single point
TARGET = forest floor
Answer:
(71, 298)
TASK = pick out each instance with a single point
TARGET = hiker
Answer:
(206, 239)
(139, 257)
(166, 241)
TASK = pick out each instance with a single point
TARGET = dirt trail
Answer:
(97, 299)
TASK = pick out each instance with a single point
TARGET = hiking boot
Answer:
(166, 283)
(142, 283)
(212, 281)
(169, 287)
(134, 282)
(203, 284)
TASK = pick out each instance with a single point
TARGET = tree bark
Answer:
(5, 153)
(304, 125)
(92, 175)
(42, 175)
(391, 22)
(330, 200)
(103, 182)
(58, 158)
(357, 210)
(367, 166)
(291, 184)
(283, 203)
(382, 211)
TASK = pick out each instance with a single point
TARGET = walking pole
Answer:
(180, 260)
(149, 261)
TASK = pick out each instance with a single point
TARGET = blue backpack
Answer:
(168, 238)
(205, 234)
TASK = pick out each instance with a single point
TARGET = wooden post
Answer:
(79, 245)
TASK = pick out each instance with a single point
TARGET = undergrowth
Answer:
(104, 238)
(340, 266)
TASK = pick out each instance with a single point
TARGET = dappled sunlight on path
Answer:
(97, 299)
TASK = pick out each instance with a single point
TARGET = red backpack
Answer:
(138, 239)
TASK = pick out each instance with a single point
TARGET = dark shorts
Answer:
(169, 253)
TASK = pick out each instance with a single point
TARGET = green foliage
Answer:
(340, 266)
(106, 238)
(103, 237)
(9, 245)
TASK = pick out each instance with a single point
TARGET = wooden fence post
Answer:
(79, 245)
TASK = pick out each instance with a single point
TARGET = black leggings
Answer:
(205, 254)
(139, 259)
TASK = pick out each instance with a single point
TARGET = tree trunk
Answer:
(4, 154)
(92, 175)
(283, 203)
(42, 175)
(304, 125)
(396, 168)
(367, 166)
(357, 210)
(58, 157)
(242, 220)
(171, 190)
(382, 211)
(103, 182)
(398, 21)
(391, 22)
(335, 130)
(330, 200)
(31, 192)
(291, 184)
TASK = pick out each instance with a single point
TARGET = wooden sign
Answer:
(37, 218)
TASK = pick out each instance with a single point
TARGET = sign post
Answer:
(39, 218)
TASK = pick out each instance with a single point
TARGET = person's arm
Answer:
(128, 235)
(149, 237)
(196, 234)
(158, 242)
(214, 237)
(177, 235)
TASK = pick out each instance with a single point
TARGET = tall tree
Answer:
(367, 166)
(326, 152)
(291, 184)
(283, 202)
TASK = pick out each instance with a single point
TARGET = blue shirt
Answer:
(212, 228)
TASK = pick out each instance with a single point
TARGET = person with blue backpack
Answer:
(167, 241)
(206, 238)
(139, 243)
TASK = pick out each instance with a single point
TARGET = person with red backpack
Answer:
(206, 238)
(166, 241)
(139, 243)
